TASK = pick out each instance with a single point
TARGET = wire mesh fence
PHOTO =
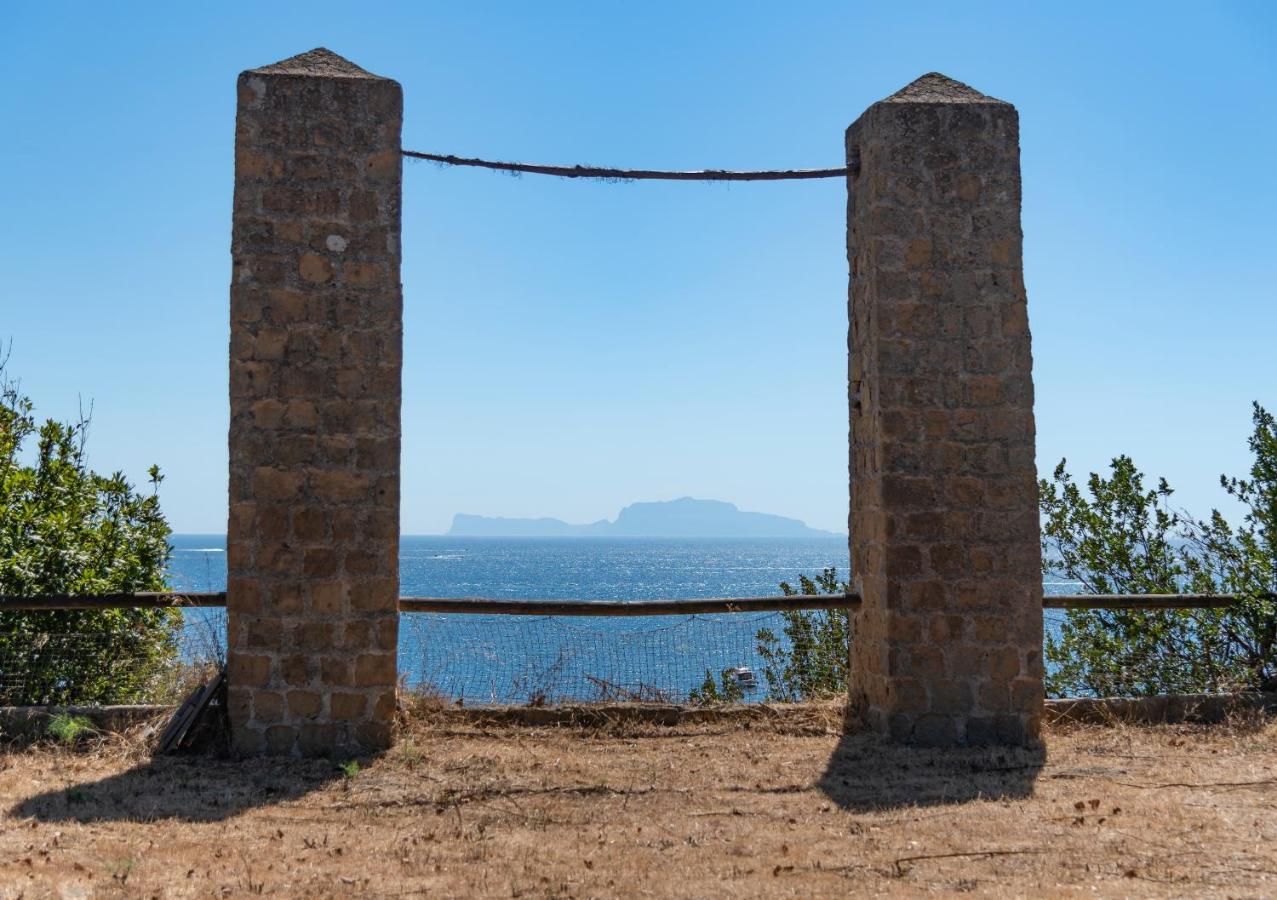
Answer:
(478, 659)
(471, 659)
(556, 659)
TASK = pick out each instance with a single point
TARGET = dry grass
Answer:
(783, 808)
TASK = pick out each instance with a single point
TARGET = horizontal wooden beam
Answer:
(1138, 601)
(140, 600)
(624, 607)
(689, 606)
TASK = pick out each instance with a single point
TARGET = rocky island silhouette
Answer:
(686, 517)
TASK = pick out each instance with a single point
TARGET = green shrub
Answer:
(65, 529)
(68, 729)
(814, 665)
(1119, 536)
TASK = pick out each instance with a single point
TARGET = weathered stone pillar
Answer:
(316, 351)
(944, 517)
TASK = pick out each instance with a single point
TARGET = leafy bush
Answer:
(814, 665)
(68, 729)
(1119, 536)
(65, 529)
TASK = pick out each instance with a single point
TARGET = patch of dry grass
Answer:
(779, 808)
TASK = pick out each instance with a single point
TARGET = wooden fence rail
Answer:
(624, 607)
(689, 606)
(1140, 601)
(141, 600)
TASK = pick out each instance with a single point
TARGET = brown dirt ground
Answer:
(784, 808)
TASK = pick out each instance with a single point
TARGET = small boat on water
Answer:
(743, 676)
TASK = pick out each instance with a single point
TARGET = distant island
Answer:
(684, 517)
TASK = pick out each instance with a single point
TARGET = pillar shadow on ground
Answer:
(865, 773)
(186, 788)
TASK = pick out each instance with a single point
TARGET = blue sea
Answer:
(515, 659)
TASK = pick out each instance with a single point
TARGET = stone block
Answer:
(318, 739)
(248, 670)
(347, 707)
(305, 704)
(931, 729)
(375, 670)
(268, 706)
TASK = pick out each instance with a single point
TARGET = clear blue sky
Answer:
(573, 347)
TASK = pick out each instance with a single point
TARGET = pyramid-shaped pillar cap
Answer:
(936, 88)
(318, 63)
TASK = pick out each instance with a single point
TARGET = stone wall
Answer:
(315, 360)
(944, 518)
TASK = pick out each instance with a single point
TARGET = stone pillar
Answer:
(315, 360)
(944, 517)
